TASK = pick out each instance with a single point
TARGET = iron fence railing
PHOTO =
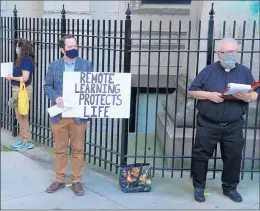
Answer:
(162, 58)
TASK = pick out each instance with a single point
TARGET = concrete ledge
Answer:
(184, 143)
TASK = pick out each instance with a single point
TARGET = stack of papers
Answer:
(234, 88)
(55, 110)
(6, 69)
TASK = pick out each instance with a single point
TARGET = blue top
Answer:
(69, 67)
(214, 78)
(27, 65)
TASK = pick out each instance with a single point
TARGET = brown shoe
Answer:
(55, 186)
(78, 189)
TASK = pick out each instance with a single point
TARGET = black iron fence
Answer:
(163, 59)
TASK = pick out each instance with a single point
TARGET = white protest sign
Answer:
(6, 69)
(97, 94)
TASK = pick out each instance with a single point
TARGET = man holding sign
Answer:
(71, 128)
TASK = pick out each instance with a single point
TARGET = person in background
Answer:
(220, 120)
(64, 129)
(23, 68)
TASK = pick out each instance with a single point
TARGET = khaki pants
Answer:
(23, 120)
(67, 129)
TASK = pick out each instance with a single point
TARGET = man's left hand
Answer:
(243, 96)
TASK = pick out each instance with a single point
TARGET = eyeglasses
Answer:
(228, 52)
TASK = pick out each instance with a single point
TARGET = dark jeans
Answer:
(230, 136)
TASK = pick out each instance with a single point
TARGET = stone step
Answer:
(184, 137)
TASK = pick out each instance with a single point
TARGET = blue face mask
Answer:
(228, 61)
(73, 53)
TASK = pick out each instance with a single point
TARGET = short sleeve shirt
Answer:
(214, 78)
(26, 65)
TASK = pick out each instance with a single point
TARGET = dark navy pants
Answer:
(208, 135)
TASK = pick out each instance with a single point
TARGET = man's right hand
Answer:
(215, 97)
(60, 102)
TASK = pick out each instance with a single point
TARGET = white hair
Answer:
(227, 40)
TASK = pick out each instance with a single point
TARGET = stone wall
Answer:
(244, 15)
(25, 8)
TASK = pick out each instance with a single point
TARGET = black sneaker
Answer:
(233, 195)
(199, 194)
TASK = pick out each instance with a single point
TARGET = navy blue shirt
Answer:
(27, 65)
(214, 78)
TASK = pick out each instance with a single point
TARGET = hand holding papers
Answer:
(6, 69)
(55, 110)
(234, 88)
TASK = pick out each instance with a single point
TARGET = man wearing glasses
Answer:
(220, 120)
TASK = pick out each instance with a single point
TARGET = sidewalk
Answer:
(25, 176)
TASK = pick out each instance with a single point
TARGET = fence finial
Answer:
(212, 12)
(63, 11)
(128, 11)
(15, 10)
